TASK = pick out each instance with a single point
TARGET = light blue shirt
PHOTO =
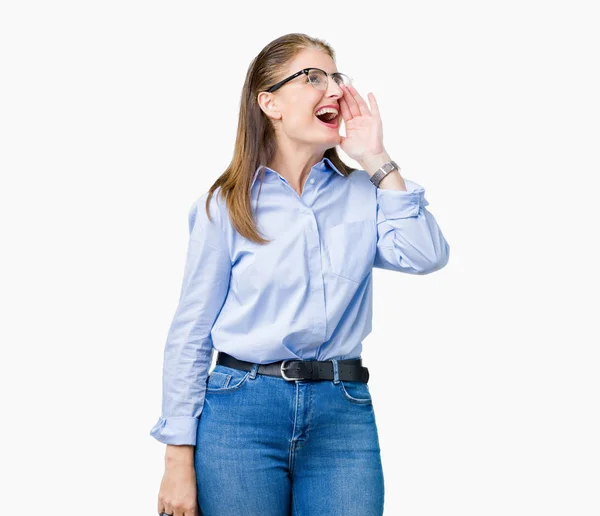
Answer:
(305, 295)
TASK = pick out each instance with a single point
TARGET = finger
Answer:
(351, 101)
(362, 105)
(374, 106)
(345, 110)
(354, 109)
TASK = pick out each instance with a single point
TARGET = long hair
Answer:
(255, 142)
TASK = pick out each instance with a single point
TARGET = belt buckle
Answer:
(283, 372)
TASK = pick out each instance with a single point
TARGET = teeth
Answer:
(326, 110)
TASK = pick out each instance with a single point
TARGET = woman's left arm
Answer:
(408, 236)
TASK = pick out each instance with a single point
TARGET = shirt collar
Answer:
(321, 164)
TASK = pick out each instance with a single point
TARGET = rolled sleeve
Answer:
(175, 430)
(399, 204)
(408, 236)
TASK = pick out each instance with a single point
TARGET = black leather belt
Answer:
(348, 370)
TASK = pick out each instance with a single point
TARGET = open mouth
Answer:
(329, 119)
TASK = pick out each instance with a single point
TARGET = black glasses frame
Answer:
(304, 71)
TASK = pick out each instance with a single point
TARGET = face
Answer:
(292, 107)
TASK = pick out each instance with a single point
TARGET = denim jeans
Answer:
(271, 447)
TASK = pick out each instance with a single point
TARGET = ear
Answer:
(268, 104)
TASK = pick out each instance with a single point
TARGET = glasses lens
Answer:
(318, 79)
(341, 78)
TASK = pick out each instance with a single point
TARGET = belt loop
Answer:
(336, 376)
(253, 371)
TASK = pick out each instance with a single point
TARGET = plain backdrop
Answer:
(116, 116)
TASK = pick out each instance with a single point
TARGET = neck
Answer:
(295, 164)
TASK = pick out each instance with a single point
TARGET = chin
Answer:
(333, 138)
(330, 143)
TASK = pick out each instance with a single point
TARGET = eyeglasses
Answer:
(317, 77)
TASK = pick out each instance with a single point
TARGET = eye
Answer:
(315, 77)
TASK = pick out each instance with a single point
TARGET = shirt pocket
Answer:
(351, 248)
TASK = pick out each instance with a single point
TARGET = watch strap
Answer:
(383, 171)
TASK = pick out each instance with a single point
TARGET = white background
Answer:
(116, 115)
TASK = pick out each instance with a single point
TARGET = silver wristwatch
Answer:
(383, 171)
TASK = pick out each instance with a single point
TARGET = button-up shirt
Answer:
(307, 294)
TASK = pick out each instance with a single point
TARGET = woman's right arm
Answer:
(188, 354)
(188, 350)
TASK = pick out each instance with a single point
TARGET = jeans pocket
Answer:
(226, 379)
(355, 392)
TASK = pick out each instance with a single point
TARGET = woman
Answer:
(287, 422)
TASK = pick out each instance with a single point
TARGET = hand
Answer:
(178, 491)
(364, 133)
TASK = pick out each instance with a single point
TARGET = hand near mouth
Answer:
(364, 132)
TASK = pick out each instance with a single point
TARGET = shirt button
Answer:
(312, 180)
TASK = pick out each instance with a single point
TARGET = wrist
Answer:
(179, 454)
(372, 162)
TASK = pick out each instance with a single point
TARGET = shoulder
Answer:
(361, 181)
(359, 175)
(217, 209)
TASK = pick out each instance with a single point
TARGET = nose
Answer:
(334, 89)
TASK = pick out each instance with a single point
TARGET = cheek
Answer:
(300, 120)
(302, 109)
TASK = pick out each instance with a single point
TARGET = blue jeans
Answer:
(270, 447)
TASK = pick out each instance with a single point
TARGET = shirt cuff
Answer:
(400, 204)
(175, 430)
